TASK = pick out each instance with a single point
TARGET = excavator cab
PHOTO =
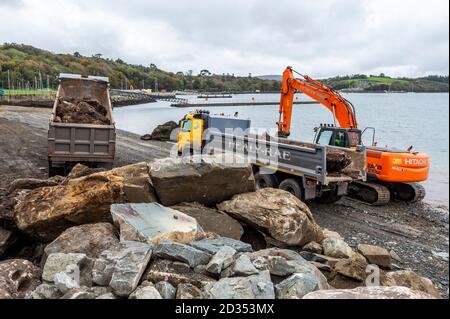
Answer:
(328, 134)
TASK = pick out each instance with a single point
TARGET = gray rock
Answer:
(129, 267)
(153, 223)
(105, 265)
(222, 259)
(79, 293)
(336, 247)
(89, 239)
(298, 285)
(66, 281)
(369, 293)
(181, 252)
(45, 291)
(188, 291)
(243, 266)
(212, 245)
(109, 295)
(166, 290)
(79, 266)
(146, 291)
(251, 287)
(205, 180)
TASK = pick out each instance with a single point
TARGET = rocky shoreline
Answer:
(145, 231)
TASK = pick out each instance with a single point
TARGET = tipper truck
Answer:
(81, 128)
(304, 169)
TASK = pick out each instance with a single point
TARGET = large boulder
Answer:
(89, 239)
(137, 185)
(207, 180)
(277, 213)
(410, 279)
(31, 183)
(162, 132)
(369, 293)
(212, 220)
(46, 212)
(180, 252)
(251, 287)
(153, 223)
(17, 278)
(175, 273)
(376, 255)
(122, 267)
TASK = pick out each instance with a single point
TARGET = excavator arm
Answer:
(343, 111)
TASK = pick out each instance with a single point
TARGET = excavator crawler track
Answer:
(370, 193)
(408, 192)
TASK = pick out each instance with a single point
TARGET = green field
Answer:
(27, 92)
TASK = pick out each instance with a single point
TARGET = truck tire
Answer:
(266, 181)
(328, 198)
(292, 186)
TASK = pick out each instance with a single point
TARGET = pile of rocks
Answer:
(81, 111)
(163, 132)
(172, 229)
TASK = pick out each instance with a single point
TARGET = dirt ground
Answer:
(416, 232)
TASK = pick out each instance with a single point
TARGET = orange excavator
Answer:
(391, 172)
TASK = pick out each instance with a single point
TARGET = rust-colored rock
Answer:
(48, 211)
(277, 213)
(411, 280)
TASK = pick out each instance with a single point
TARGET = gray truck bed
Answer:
(70, 142)
(293, 157)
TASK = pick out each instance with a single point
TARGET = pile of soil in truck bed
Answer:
(337, 160)
(81, 111)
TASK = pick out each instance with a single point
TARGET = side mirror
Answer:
(316, 129)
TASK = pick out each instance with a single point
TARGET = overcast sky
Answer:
(320, 38)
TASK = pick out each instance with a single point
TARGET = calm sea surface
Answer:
(401, 120)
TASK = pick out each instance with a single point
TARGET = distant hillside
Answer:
(381, 83)
(30, 67)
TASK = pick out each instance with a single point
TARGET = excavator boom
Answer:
(392, 171)
(343, 111)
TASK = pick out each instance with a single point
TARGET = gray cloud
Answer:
(321, 38)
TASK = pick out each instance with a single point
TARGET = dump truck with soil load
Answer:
(309, 171)
(81, 128)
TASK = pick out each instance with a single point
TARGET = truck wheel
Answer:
(328, 198)
(265, 181)
(292, 186)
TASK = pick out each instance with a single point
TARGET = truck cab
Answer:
(329, 135)
(194, 124)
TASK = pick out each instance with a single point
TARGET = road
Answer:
(416, 232)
